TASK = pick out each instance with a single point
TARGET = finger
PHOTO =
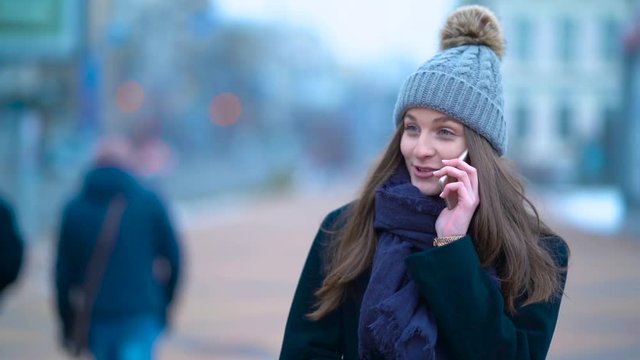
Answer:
(460, 164)
(453, 187)
(466, 167)
(456, 173)
(449, 170)
(472, 172)
(464, 195)
(468, 196)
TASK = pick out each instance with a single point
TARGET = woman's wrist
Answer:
(453, 228)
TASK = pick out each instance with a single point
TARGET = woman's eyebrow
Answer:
(411, 117)
(444, 118)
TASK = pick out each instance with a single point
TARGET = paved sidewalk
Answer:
(244, 259)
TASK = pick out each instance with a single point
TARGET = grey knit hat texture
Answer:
(464, 80)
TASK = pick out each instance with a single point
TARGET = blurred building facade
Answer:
(563, 81)
(39, 42)
(214, 104)
(629, 131)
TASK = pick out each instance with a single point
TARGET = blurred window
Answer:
(524, 39)
(522, 121)
(567, 39)
(564, 122)
(610, 38)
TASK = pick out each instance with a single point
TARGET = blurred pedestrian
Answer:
(11, 247)
(416, 268)
(118, 261)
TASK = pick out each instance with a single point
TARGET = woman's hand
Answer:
(456, 221)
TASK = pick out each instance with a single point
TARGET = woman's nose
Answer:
(424, 147)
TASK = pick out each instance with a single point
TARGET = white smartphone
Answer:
(452, 199)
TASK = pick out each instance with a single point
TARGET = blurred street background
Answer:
(255, 118)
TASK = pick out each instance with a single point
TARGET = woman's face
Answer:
(429, 137)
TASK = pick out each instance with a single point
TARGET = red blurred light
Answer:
(129, 96)
(225, 109)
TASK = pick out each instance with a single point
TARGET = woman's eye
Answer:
(446, 132)
(410, 127)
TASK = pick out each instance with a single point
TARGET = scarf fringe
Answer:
(385, 330)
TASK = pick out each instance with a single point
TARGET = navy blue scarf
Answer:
(394, 323)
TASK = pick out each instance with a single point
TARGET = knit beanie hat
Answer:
(463, 80)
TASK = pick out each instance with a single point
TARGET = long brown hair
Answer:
(505, 227)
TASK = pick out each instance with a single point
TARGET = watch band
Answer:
(445, 240)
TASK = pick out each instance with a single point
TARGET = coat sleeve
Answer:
(11, 247)
(168, 249)
(469, 307)
(303, 338)
(63, 274)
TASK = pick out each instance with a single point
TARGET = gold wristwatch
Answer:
(442, 241)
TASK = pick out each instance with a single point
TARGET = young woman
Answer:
(399, 273)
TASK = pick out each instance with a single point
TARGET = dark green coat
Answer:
(469, 309)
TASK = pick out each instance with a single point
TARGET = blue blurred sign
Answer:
(39, 28)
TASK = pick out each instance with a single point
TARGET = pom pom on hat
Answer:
(472, 25)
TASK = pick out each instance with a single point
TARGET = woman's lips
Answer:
(423, 172)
